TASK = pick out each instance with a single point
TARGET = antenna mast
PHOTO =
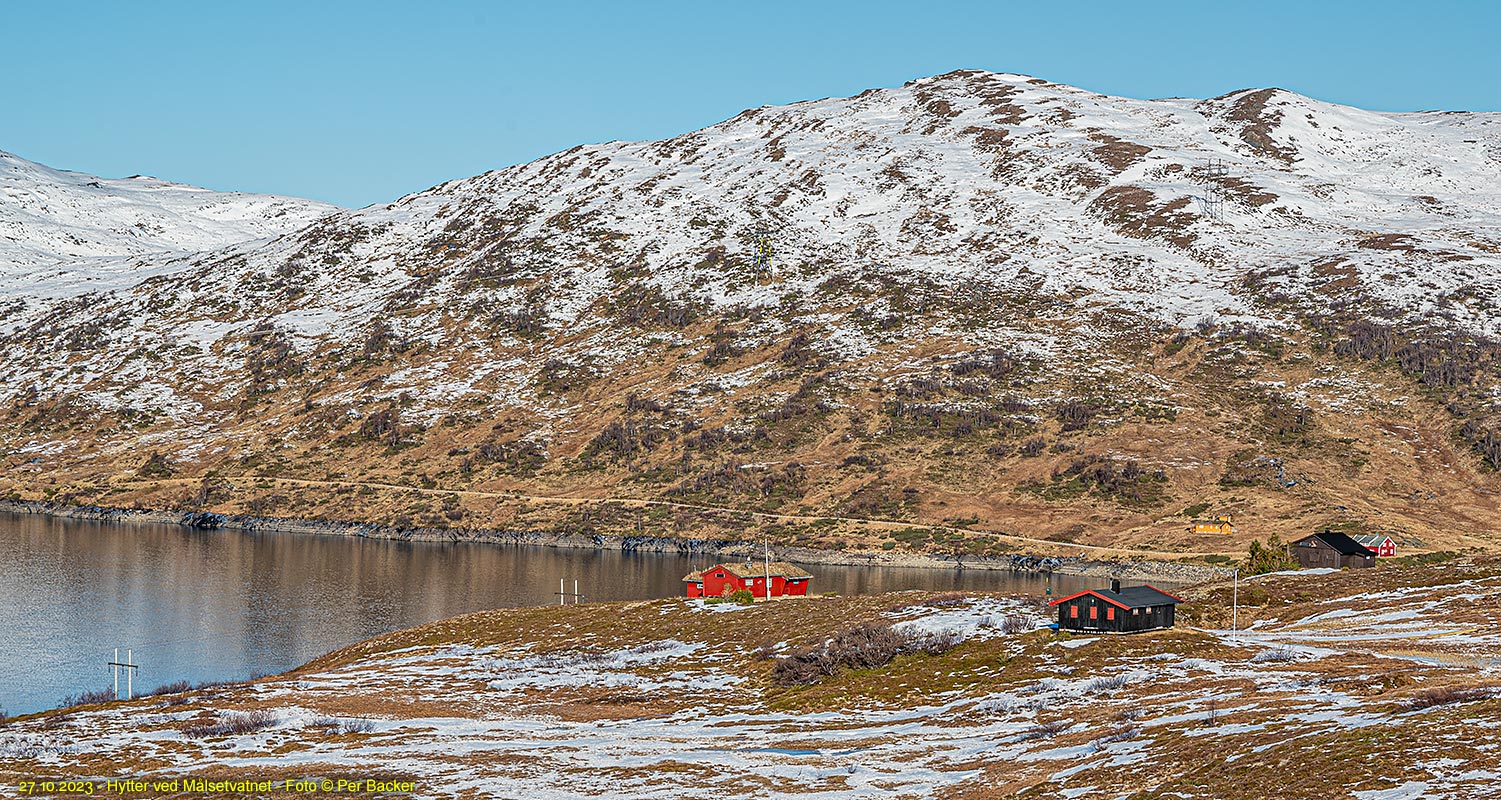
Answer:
(1210, 176)
(761, 259)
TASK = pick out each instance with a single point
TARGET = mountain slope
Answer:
(995, 303)
(60, 230)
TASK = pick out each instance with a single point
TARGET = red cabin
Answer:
(721, 580)
(1380, 544)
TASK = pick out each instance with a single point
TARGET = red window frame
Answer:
(1110, 613)
(1094, 612)
(1073, 612)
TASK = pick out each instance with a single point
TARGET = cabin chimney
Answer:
(1115, 585)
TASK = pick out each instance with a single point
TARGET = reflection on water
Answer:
(210, 605)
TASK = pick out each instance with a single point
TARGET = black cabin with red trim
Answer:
(1116, 610)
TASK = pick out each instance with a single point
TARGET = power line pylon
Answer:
(761, 259)
(1211, 175)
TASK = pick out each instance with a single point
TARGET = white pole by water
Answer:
(767, 543)
(114, 664)
(1235, 602)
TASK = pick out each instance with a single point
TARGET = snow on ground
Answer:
(513, 720)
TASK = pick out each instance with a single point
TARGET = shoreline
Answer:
(1165, 572)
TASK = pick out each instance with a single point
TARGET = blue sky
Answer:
(361, 102)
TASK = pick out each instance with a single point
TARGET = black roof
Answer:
(1130, 597)
(1344, 544)
(1141, 596)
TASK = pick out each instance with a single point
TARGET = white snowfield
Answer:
(1000, 187)
(1098, 717)
(67, 233)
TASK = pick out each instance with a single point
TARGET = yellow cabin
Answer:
(1216, 525)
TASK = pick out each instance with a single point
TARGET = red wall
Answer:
(719, 582)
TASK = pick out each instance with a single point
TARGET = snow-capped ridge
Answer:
(51, 217)
(1062, 201)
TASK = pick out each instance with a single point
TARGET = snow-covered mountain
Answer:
(974, 244)
(64, 232)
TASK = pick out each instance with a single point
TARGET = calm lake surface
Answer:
(214, 605)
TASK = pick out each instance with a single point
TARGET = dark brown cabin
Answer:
(1116, 610)
(1331, 550)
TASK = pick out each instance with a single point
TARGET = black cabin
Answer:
(1331, 550)
(1116, 610)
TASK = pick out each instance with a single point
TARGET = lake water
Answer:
(215, 605)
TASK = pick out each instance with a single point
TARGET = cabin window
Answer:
(1073, 612)
(1094, 612)
(1110, 613)
(1135, 612)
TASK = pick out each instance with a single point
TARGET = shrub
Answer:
(87, 698)
(156, 466)
(356, 726)
(1016, 623)
(863, 646)
(742, 597)
(1121, 734)
(1177, 343)
(1445, 695)
(233, 723)
(1075, 414)
(1106, 683)
(1045, 730)
(934, 643)
(1280, 654)
(170, 688)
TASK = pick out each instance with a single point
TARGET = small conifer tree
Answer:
(1269, 557)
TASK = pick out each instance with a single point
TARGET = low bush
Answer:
(1045, 730)
(864, 646)
(356, 726)
(1105, 683)
(743, 597)
(233, 723)
(1446, 695)
(87, 698)
(1016, 623)
(175, 687)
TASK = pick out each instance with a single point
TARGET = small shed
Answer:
(785, 580)
(1217, 525)
(1331, 550)
(1115, 610)
(1379, 543)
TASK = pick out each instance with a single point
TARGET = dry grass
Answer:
(1207, 696)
